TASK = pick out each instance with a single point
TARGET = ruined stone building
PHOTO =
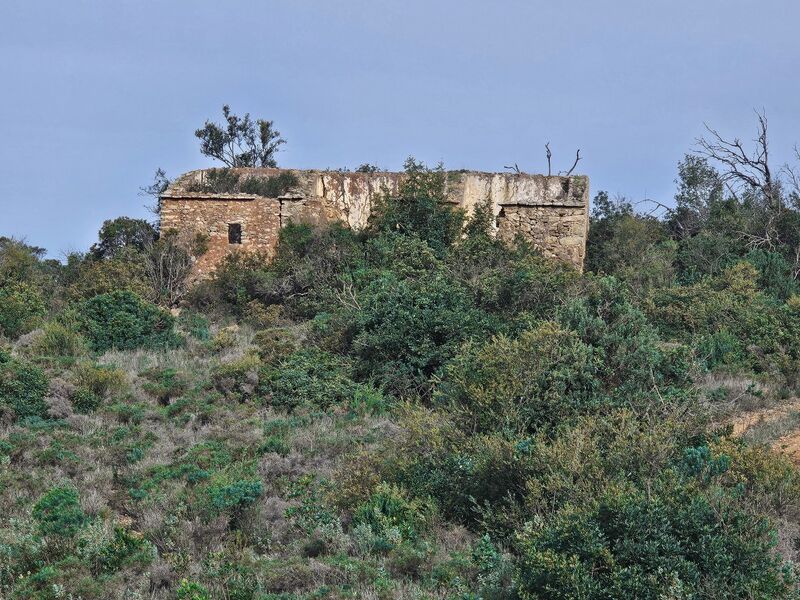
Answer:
(550, 211)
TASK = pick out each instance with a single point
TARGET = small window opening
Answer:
(234, 233)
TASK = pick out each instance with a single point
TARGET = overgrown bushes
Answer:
(22, 387)
(414, 410)
(542, 379)
(123, 321)
(59, 513)
(635, 545)
(227, 181)
(21, 308)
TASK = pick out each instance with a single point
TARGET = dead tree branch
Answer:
(657, 206)
(575, 164)
(549, 156)
(749, 169)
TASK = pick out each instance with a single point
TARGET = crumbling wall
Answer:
(558, 232)
(352, 195)
(259, 218)
(550, 211)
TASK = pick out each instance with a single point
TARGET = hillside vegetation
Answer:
(413, 411)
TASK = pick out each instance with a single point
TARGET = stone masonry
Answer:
(552, 212)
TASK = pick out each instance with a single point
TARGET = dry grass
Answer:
(90, 452)
(741, 394)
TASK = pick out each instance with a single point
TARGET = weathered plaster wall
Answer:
(550, 211)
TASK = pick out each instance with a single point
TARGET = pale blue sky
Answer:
(94, 95)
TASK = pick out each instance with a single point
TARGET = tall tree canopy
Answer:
(240, 141)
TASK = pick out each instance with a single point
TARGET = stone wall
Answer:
(558, 232)
(550, 211)
(259, 219)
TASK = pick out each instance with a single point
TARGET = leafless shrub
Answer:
(272, 466)
(205, 536)
(267, 524)
(93, 501)
(750, 169)
(162, 577)
(788, 533)
(57, 399)
(169, 264)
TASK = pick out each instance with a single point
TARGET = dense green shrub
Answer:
(228, 181)
(122, 320)
(775, 276)
(541, 379)
(305, 378)
(125, 271)
(274, 344)
(102, 380)
(85, 400)
(117, 235)
(22, 307)
(165, 384)
(311, 378)
(628, 245)
(315, 269)
(191, 590)
(728, 320)
(391, 512)
(58, 339)
(633, 545)
(19, 261)
(58, 512)
(634, 359)
(22, 387)
(420, 208)
(515, 282)
(95, 384)
(227, 491)
(405, 330)
(405, 256)
(237, 494)
(195, 324)
(236, 281)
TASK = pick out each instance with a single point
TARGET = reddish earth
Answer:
(744, 421)
(788, 444)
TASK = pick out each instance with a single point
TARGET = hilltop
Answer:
(415, 409)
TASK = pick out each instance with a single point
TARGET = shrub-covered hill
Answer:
(415, 411)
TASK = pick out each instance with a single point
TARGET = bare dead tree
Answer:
(750, 169)
(575, 164)
(515, 168)
(549, 156)
(168, 266)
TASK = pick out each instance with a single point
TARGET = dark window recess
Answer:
(234, 233)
